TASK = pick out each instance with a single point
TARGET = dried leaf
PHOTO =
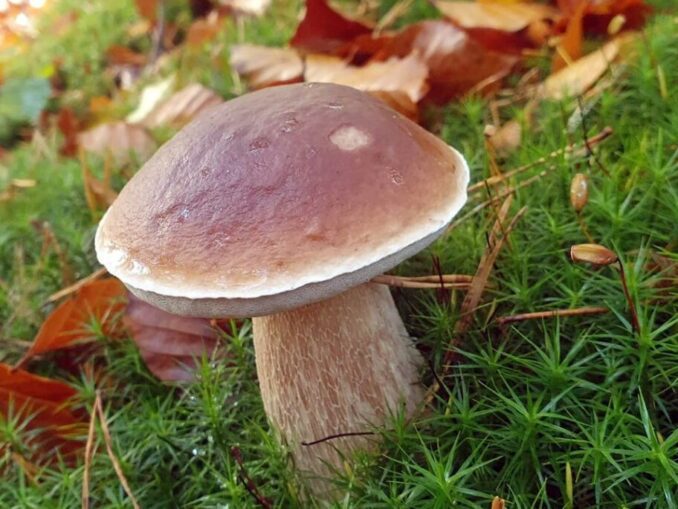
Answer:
(122, 55)
(594, 254)
(170, 345)
(151, 96)
(570, 44)
(98, 193)
(456, 63)
(68, 124)
(100, 300)
(183, 106)
(506, 138)
(204, 30)
(43, 407)
(125, 142)
(264, 67)
(323, 30)
(579, 192)
(147, 9)
(509, 17)
(250, 7)
(393, 76)
(582, 74)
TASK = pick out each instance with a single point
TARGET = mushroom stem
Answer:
(335, 368)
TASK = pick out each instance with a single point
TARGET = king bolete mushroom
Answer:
(282, 204)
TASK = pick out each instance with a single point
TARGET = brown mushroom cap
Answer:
(279, 198)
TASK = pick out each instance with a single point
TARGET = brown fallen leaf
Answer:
(99, 301)
(43, 407)
(122, 55)
(147, 9)
(457, 64)
(69, 125)
(263, 66)
(569, 46)
(582, 74)
(506, 138)
(508, 17)
(125, 142)
(98, 193)
(204, 30)
(324, 30)
(172, 346)
(599, 14)
(182, 106)
(396, 75)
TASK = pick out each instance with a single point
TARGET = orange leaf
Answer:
(569, 46)
(122, 55)
(99, 300)
(43, 406)
(323, 30)
(68, 124)
(508, 17)
(204, 30)
(170, 345)
(147, 9)
(456, 62)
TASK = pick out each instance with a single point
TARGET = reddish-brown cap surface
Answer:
(278, 198)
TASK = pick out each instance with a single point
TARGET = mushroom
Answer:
(282, 205)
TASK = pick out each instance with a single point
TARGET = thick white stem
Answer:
(337, 366)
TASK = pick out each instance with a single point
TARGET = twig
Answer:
(588, 310)
(492, 201)
(89, 453)
(109, 448)
(77, 285)
(475, 292)
(589, 144)
(247, 481)
(338, 435)
(431, 282)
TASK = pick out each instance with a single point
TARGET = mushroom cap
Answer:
(279, 198)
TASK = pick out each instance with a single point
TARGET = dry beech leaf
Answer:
(204, 30)
(456, 63)
(170, 345)
(122, 55)
(506, 138)
(582, 74)
(147, 9)
(395, 75)
(43, 405)
(183, 106)
(323, 30)
(508, 17)
(579, 192)
(263, 66)
(599, 14)
(68, 324)
(570, 43)
(125, 142)
(151, 96)
(594, 254)
(249, 7)
(68, 124)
